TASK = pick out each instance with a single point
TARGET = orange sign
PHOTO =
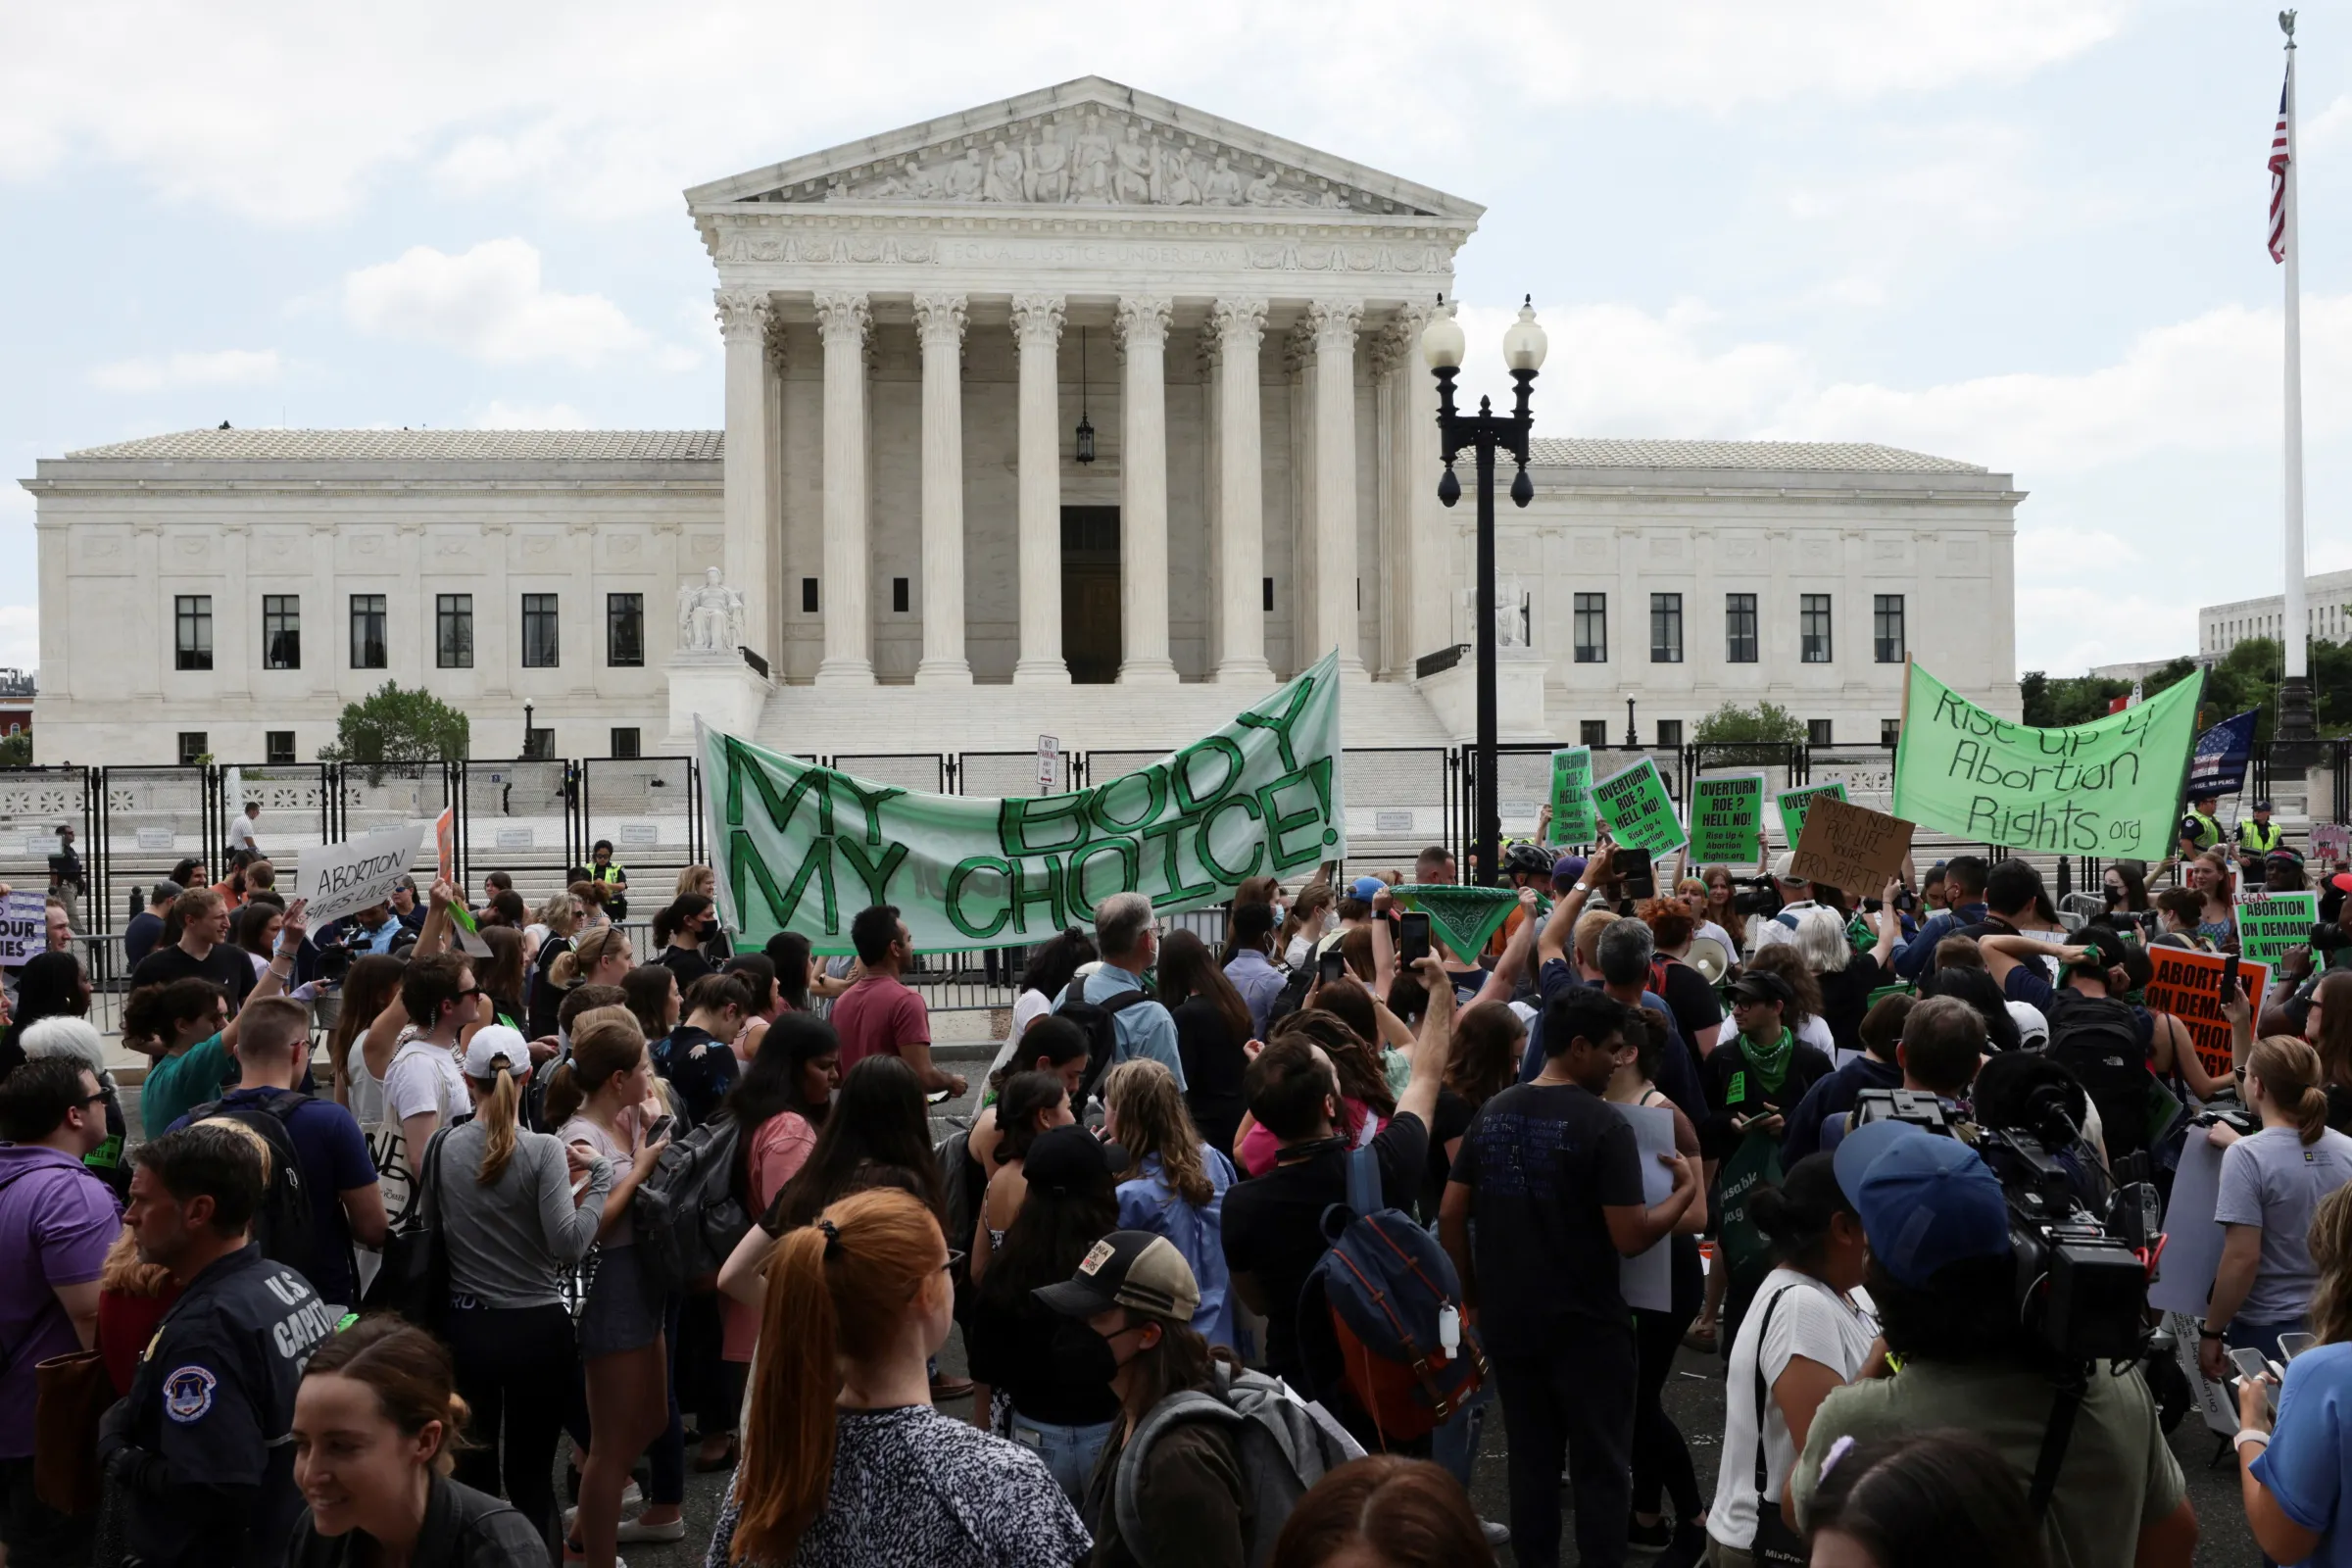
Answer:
(2188, 986)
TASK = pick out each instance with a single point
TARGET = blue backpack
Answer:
(1387, 1287)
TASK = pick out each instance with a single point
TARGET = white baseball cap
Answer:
(493, 1045)
(2032, 1026)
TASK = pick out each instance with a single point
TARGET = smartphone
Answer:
(2230, 977)
(1412, 937)
(1633, 869)
(662, 1128)
(2292, 1345)
(1332, 967)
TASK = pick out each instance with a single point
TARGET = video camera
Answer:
(1756, 895)
(2082, 1287)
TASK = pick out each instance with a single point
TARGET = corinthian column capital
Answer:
(1334, 324)
(742, 314)
(1238, 324)
(938, 317)
(843, 318)
(1142, 318)
(1038, 316)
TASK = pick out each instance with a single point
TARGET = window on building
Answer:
(898, 596)
(1887, 645)
(453, 631)
(1592, 628)
(1592, 732)
(1665, 629)
(192, 631)
(1740, 629)
(1266, 592)
(624, 631)
(1670, 732)
(625, 744)
(1813, 628)
(1817, 732)
(278, 744)
(192, 747)
(807, 596)
(540, 648)
(538, 744)
(367, 647)
(281, 631)
(1890, 730)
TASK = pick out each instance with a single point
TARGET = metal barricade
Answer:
(926, 771)
(651, 809)
(520, 817)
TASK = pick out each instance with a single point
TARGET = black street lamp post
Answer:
(1486, 432)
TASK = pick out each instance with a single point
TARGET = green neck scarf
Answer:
(1769, 1064)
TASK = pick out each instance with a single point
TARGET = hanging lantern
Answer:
(1085, 428)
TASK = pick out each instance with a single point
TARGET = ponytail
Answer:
(2290, 1072)
(1796, 1214)
(565, 1096)
(837, 1291)
(496, 1116)
(580, 962)
(604, 1041)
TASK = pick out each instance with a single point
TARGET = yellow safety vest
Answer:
(2206, 833)
(2258, 837)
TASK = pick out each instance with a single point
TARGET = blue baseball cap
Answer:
(1571, 866)
(1367, 888)
(1924, 1200)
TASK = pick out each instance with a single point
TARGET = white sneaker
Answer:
(630, 1496)
(632, 1529)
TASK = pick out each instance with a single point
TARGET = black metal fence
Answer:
(536, 817)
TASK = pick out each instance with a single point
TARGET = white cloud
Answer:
(500, 415)
(19, 636)
(489, 304)
(286, 112)
(221, 367)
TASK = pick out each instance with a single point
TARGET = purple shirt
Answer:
(57, 1221)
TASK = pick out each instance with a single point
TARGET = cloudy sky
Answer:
(2027, 233)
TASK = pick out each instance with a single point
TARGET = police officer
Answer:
(2259, 835)
(2199, 832)
(609, 871)
(200, 1443)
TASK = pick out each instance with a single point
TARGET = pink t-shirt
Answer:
(876, 1016)
(1259, 1148)
(779, 1148)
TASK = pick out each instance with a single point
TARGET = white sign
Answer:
(24, 927)
(1646, 1280)
(341, 878)
(1392, 821)
(1048, 765)
(40, 843)
(640, 833)
(2193, 1247)
(513, 838)
(154, 838)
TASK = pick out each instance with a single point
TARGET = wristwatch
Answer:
(2204, 1332)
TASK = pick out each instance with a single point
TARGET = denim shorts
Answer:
(1070, 1452)
(622, 1314)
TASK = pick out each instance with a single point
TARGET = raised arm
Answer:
(1560, 929)
(1433, 1049)
(280, 969)
(1504, 980)
(1889, 925)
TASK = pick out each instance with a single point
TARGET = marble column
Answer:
(1142, 331)
(843, 321)
(939, 322)
(1399, 373)
(1037, 329)
(1334, 324)
(1241, 495)
(743, 325)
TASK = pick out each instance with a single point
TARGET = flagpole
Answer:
(2293, 720)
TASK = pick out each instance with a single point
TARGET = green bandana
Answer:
(1464, 919)
(1770, 1063)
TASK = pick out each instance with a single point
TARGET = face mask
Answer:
(1085, 1354)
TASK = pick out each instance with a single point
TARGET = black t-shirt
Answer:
(1014, 1351)
(544, 1000)
(1727, 1070)
(700, 1065)
(688, 964)
(1694, 1003)
(1451, 1118)
(1846, 998)
(1213, 1065)
(2339, 1108)
(1541, 1161)
(140, 938)
(1273, 1224)
(228, 966)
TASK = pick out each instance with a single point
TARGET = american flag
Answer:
(2281, 152)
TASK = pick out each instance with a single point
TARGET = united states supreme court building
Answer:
(1083, 412)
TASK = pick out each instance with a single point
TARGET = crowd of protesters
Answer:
(364, 1306)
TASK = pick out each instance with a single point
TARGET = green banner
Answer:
(1640, 812)
(1464, 919)
(1727, 818)
(1572, 794)
(2111, 786)
(1793, 804)
(801, 848)
(2273, 924)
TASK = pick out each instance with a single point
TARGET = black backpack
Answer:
(688, 1212)
(283, 1223)
(1094, 1019)
(2098, 1039)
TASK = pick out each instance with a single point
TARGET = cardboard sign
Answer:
(1793, 804)
(1634, 803)
(1727, 818)
(24, 927)
(2273, 924)
(1572, 795)
(340, 879)
(2330, 842)
(2188, 986)
(1850, 847)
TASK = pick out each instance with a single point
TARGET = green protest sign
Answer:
(2111, 786)
(1793, 804)
(2274, 923)
(1727, 816)
(801, 848)
(1634, 803)
(1572, 794)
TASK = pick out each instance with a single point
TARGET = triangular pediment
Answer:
(1088, 142)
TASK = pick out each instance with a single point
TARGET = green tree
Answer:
(15, 751)
(2069, 699)
(392, 725)
(1731, 726)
